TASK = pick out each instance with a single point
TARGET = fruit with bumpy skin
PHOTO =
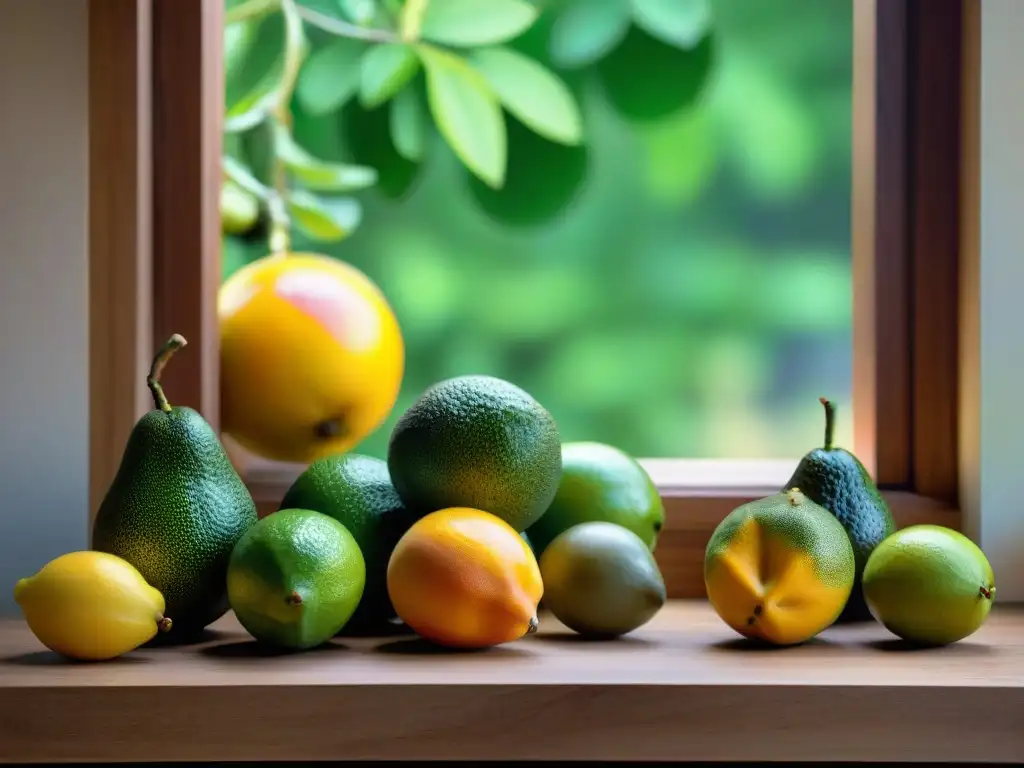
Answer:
(601, 580)
(295, 579)
(835, 479)
(600, 482)
(478, 442)
(176, 508)
(464, 578)
(929, 585)
(356, 491)
(91, 606)
(311, 357)
(779, 569)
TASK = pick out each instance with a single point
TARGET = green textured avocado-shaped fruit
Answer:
(835, 479)
(176, 508)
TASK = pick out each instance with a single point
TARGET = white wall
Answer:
(995, 510)
(44, 399)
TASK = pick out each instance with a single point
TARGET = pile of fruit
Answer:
(782, 569)
(479, 511)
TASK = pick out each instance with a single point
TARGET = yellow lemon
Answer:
(91, 606)
(311, 355)
(779, 569)
(464, 578)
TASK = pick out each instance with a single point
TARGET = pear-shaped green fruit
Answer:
(176, 508)
(835, 479)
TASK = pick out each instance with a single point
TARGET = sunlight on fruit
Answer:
(312, 357)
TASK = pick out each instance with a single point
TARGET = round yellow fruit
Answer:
(779, 569)
(464, 578)
(929, 585)
(91, 606)
(311, 355)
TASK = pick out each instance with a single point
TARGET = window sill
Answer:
(678, 689)
(697, 495)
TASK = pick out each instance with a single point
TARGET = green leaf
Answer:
(476, 22)
(238, 40)
(408, 125)
(586, 31)
(467, 113)
(531, 93)
(681, 23)
(330, 76)
(385, 70)
(237, 171)
(361, 12)
(253, 108)
(320, 175)
(328, 221)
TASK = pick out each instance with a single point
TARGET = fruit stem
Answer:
(163, 623)
(796, 497)
(533, 626)
(172, 345)
(294, 599)
(988, 592)
(830, 421)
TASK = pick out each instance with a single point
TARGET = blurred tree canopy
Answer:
(638, 210)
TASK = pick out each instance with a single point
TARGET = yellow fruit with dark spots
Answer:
(779, 569)
(311, 357)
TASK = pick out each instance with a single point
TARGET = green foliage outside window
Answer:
(636, 209)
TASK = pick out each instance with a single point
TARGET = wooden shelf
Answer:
(681, 688)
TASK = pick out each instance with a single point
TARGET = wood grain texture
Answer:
(187, 118)
(120, 257)
(880, 237)
(936, 72)
(681, 688)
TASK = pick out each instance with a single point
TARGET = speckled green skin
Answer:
(804, 526)
(480, 442)
(296, 553)
(835, 479)
(356, 491)
(175, 510)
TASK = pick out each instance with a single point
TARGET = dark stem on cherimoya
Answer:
(172, 345)
(830, 421)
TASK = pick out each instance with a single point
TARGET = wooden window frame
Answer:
(155, 142)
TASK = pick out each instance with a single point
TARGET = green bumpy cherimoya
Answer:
(835, 479)
(176, 508)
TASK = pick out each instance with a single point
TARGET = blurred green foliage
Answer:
(670, 275)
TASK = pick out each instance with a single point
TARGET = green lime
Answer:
(929, 585)
(295, 578)
(356, 491)
(600, 482)
(601, 580)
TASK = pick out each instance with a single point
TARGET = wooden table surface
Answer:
(681, 688)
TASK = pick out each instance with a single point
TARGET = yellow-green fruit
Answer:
(929, 585)
(601, 580)
(91, 606)
(601, 483)
(295, 578)
(779, 569)
(239, 210)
